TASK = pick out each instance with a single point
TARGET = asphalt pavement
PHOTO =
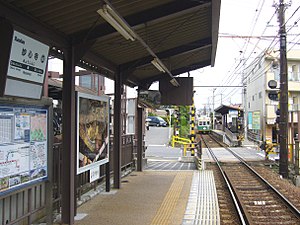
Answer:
(159, 146)
(157, 136)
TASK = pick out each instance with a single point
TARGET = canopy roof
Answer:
(224, 109)
(182, 34)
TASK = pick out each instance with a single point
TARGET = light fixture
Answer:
(174, 82)
(117, 22)
(158, 65)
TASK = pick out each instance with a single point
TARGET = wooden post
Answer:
(117, 131)
(68, 154)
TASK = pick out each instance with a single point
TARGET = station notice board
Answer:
(23, 146)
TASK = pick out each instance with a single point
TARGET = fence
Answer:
(255, 137)
(29, 204)
(83, 185)
(24, 206)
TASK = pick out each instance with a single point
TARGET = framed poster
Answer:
(92, 131)
(23, 146)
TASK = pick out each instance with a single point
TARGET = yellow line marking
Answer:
(170, 201)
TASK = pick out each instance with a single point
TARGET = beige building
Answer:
(260, 110)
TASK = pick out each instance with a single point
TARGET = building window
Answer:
(295, 73)
(252, 97)
(260, 95)
(249, 105)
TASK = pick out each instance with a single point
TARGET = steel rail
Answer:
(281, 196)
(240, 211)
(290, 205)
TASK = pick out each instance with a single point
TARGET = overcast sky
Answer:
(238, 18)
(254, 18)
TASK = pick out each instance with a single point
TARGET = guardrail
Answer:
(183, 141)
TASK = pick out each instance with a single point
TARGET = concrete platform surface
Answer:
(149, 197)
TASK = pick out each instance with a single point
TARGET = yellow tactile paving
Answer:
(170, 201)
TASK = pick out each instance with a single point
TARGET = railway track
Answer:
(253, 199)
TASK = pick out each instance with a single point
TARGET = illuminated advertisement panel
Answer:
(256, 120)
(23, 146)
(250, 120)
(92, 131)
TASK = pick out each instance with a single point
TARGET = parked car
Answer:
(156, 121)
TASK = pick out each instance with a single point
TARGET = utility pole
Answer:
(244, 97)
(283, 101)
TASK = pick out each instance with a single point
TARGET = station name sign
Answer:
(28, 58)
(23, 62)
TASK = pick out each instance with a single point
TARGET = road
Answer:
(157, 142)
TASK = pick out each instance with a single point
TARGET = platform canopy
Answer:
(180, 35)
(224, 109)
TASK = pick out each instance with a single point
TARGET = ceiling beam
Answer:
(178, 71)
(29, 24)
(161, 12)
(183, 49)
(91, 62)
(100, 62)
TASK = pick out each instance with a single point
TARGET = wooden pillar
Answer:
(45, 88)
(69, 148)
(117, 130)
(223, 123)
(140, 140)
(6, 30)
(49, 184)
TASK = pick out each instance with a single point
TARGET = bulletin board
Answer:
(23, 146)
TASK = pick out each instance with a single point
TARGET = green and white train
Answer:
(204, 124)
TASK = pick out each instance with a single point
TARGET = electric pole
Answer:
(283, 101)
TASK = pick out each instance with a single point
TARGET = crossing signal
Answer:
(277, 116)
(273, 95)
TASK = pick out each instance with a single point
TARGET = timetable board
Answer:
(23, 146)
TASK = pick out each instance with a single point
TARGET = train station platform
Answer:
(231, 139)
(155, 197)
(164, 193)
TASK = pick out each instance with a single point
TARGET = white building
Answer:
(260, 111)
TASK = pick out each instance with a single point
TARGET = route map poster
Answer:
(23, 146)
(92, 131)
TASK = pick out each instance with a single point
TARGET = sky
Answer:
(238, 18)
